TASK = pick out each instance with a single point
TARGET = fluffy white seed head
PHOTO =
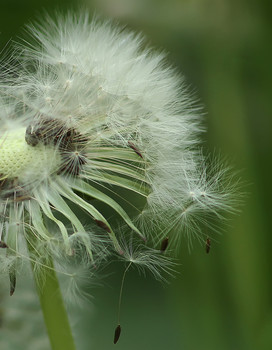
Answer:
(87, 115)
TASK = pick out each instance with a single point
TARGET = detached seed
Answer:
(117, 334)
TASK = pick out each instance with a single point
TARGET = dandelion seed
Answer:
(117, 334)
(135, 149)
(103, 225)
(118, 329)
(146, 259)
(3, 245)
(12, 279)
(208, 245)
(164, 244)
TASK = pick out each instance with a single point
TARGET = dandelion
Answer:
(89, 117)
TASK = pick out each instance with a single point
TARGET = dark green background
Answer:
(222, 300)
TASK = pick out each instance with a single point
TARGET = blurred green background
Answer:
(222, 300)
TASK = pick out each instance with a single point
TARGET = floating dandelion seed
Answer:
(87, 112)
(144, 259)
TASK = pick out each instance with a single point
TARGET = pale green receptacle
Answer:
(23, 161)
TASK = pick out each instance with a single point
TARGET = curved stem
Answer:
(121, 290)
(54, 312)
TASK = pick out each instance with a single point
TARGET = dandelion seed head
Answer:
(88, 114)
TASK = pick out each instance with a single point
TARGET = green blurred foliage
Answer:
(222, 300)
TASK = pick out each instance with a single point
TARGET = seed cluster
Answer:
(68, 141)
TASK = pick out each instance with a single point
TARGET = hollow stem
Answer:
(54, 312)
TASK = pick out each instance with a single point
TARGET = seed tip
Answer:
(164, 244)
(12, 285)
(208, 245)
(3, 245)
(103, 225)
(117, 334)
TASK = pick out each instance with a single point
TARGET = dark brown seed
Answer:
(12, 280)
(103, 225)
(135, 149)
(21, 198)
(164, 244)
(208, 245)
(30, 137)
(117, 334)
(3, 244)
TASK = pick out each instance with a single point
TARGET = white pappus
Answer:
(89, 116)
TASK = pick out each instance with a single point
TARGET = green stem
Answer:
(54, 312)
